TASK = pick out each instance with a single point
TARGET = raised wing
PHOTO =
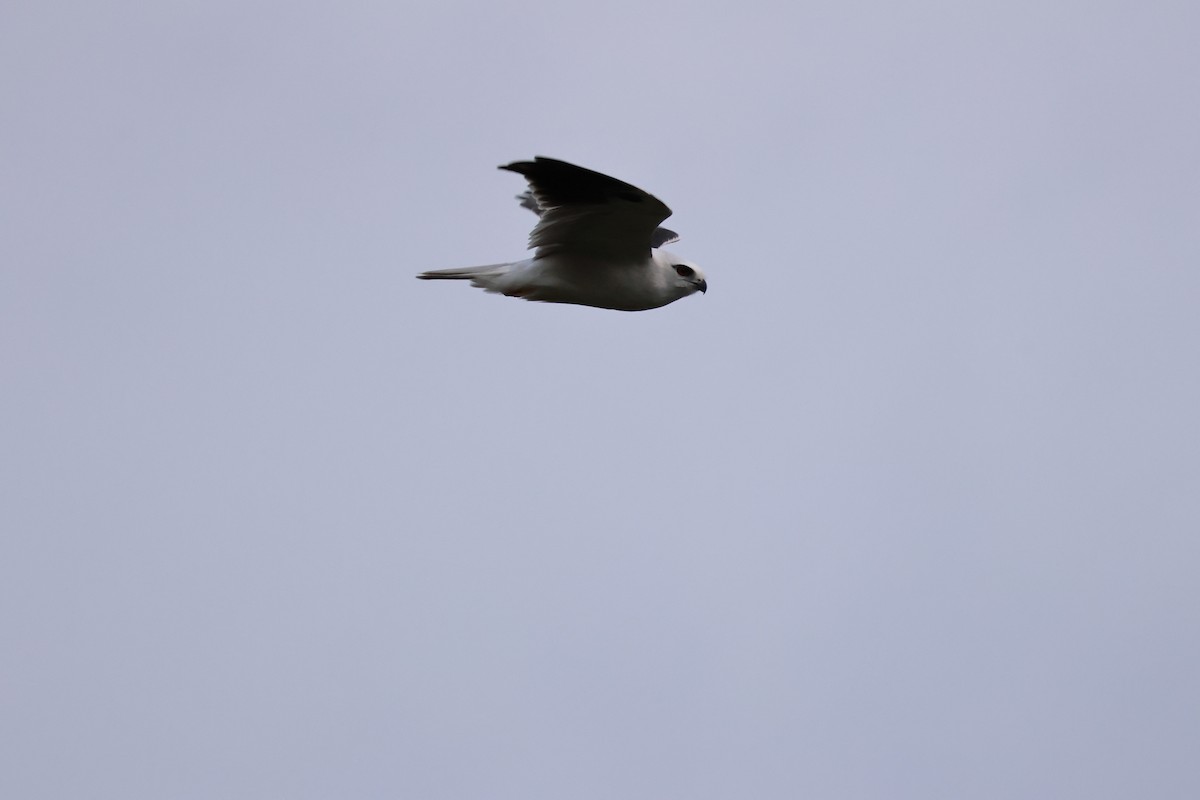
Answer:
(589, 213)
(660, 238)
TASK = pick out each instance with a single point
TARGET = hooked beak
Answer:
(702, 285)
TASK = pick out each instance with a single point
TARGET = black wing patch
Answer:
(556, 183)
(660, 238)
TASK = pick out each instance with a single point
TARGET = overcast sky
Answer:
(907, 506)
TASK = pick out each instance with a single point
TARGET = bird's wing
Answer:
(660, 238)
(527, 200)
(663, 237)
(590, 213)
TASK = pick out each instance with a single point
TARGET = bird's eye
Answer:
(684, 271)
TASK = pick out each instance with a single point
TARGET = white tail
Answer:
(464, 273)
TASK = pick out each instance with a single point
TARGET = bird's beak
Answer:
(702, 286)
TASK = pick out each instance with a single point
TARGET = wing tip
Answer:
(538, 161)
(520, 167)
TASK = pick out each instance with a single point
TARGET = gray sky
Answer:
(907, 506)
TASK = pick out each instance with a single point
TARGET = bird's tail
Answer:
(464, 273)
(489, 277)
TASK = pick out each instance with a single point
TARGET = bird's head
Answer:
(685, 277)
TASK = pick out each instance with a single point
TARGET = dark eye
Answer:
(684, 271)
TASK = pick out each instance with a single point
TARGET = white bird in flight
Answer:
(597, 244)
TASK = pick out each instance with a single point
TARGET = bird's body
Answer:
(632, 285)
(597, 243)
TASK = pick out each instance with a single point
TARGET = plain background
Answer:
(907, 506)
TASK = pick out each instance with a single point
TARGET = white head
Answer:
(682, 276)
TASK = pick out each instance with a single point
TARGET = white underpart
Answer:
(630, 286)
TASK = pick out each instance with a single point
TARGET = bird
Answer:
(597, 243)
